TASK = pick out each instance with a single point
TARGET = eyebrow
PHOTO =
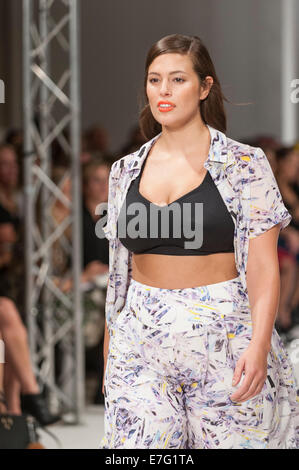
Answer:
(175, 71)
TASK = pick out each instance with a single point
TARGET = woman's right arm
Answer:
(105, 351)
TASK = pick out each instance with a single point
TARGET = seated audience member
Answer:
(95, 257)
(95, 262)
(134, 141)
(20, 387)
(10, 194)
(96, 139)
(288, 244)
(95, 191)
(21, 390)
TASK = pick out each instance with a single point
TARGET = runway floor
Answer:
(86, 435)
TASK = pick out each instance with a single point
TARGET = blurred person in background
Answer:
(95, 176)
(85, 152)
(270, 146)
(14, 137)
(284, 163)
(288, 244)
(12, 228)
(20, 387)
(135, 140)
(11, 196)
(95, 144)
(97, 139)
(21, 390)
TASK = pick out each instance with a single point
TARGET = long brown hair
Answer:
(211, 108)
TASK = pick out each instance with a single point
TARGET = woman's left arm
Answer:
(268, 215)
(263, 285)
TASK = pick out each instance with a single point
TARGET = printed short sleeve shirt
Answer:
(266, 205)
(245, 180)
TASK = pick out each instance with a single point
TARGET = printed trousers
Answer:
(170, 365)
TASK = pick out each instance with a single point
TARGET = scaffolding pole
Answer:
(54, 317)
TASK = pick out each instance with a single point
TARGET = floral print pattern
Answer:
(169, 374)
(249, 189)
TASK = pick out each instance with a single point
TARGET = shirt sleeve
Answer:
(266, 205)
(107, 227)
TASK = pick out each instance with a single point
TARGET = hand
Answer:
(254, 363)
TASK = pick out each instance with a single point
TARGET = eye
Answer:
(180, 80)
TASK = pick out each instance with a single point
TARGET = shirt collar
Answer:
(217, 151)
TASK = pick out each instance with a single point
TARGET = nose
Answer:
(165, 88)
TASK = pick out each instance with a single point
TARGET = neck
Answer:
(185, 141)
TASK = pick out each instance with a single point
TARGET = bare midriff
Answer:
(173, 271)
(180, 272)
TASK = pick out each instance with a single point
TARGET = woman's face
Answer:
(171, 78)
(9, 168)
(289, 167)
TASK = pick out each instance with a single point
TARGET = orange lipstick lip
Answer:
(165, 110)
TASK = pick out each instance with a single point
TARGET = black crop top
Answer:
(213, 221)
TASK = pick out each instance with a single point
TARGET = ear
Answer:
(206, 87)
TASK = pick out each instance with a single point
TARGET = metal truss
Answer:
(51, 109)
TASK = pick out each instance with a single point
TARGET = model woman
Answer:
(193, 358)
